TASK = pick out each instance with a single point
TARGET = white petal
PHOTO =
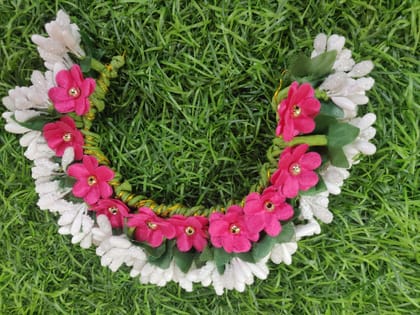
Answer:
(335, 42)
(68, 157)
(361, 69)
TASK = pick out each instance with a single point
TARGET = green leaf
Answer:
(36, 123)
(164, 260)
(248, 257)
(67, 182)
(221, 258)
(322, 123)
(337, 157)
(154, 252)
(263, 247)
(86, 64)
(322, 64)
(340, 134)
(125, 186)
(320, 187)
(206, 255)
(184, 260)
(287, 233)
(330, 109)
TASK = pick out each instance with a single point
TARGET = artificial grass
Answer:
(190, 120)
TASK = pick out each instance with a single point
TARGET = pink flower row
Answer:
(234, 230)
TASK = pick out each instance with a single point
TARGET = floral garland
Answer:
(318, 137)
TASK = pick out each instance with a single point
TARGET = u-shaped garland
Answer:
(318, 137)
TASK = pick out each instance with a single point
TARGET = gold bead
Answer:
(269, 206)
(295, 169)
(113, 210)
(91, 180)
(234, 229)
(189, 230)
(151, 225)
(296, 110)
(67, 137)
(74, 92)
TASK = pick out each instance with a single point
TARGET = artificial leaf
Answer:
(320, 187)
(164, 260)
(286, 234)
(322, 64)
(154, 252)
(221, 258)
(248, 257)
(183, 260)
(338, 158)
(36, 123)
(323, 122)
(340, 134)
(300, 66)
(263, 247)
(206, 255)
(86, 64)
(330, 109)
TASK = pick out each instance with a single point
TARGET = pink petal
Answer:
(310, 160)
(255, 222)
(104, 173)
(76, 75)
(90, 162)
(78, 171)
(81, 106)
(64, 79)
(80, 189)
(285, 212)
(304, 124)
(199, 243)
(88, 87)
(272, 227)
(240, 245)
(307, 180)
(105, 189)
(93, 195)
(64, 106)
(291, 187)
(184, 243)
(311, 107)
(155, 239)
(218, 228)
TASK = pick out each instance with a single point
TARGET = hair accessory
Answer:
(318, 138)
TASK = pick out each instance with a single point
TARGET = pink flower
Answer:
(114, 209)
(230, 231)
(150, 228)
(297, 111)
(92, 180)
(72, 92)
(190, 232)
(63, 134)
(263, 212)
(295, 170)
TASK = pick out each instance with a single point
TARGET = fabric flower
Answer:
(72, 92)
(92, 180)
(361, 144)
(150, 228)
(263, 212)
(295, 170)
(190, 232)
(63, 134)
(230, 231)
(297, 111)
(63, 38)
(114, 209)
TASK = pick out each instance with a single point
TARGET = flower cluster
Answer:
(318, 137)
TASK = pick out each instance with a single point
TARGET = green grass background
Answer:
(189, 120)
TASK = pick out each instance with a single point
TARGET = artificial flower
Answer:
(297, 111)
(114, 209)
(230, 231)
(316, 205)
(190, 232)
(92, 180)
(63, 134)
(150, 228)
(295, 170)
(361, 144)
(263, 212)
(63, 38)
(72, 92)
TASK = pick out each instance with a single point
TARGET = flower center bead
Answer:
(296, 110)
(234, 229)
(295, 169)
(91, 180)
(269, 206)
(74, 92)
(151, 225)
(189, 230)
(113, 210)
(67, 137)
